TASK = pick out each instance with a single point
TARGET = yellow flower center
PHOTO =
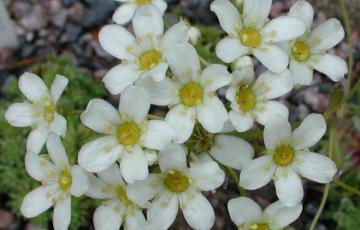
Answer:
(176, 181)
(65, 180)
(246, 98)
(49, 111)
(121, 193)
(191, 94)
(300, 51)
(284, 155)
(250, 37)
(259, 227)
(142, 2)
(149, 60)
(128, 133)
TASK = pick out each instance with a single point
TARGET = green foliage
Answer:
(14, 181)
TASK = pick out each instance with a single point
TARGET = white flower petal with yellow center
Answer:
(253, 33)
(247, 214)
(178, 186)
(191, 93)
(117, 208)
(251, 99)
(39, 112)
(144, 55)
(59, 182)
(287, 157)
(310, 51)
(125, 12)
(127, 132)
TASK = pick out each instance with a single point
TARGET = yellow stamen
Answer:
(121, 193)
(65, 180)
(176, 181)
(128, 133)
(300, 51)
(49, 111)
(284, 155)
(142, 2)
(250, 37)
(259, 227)
(246, 98)
(149, 60)
(191, 94)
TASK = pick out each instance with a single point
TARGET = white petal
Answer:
(214, 77)
(108, 217)
(266, 53)
(315, 167)
(56, 151)
(304, 11)
(230, 49)
(120, 77)
(310, 131)
(112, 175)
(184, 62)
(212, 114)
(228, 16)
(124, 13)
(283, 28)
(148, 21)
(100, 116)
(58, 87)
(20, 115)
(331, 65)
(135, 219)
(143, 191)
(257, 173)
(301, 72)
(158, 135)
(32, 86)
(175, 35)
(37, 201)
(116, 40)
(158, 73)
(173, 157)
(161, 5)
(37, 139)
(135, 103)
(198, 212)
(62, 214)
(162, 212)
(206, 174)
(58, 125)
(182, 119)
(232, 151)
(277, 130)
(256, 12)
(241, 122)
(134, 165)
(273, 85)
(326, 35)
(99, 154)
(282, 216)
(37, 166)
(161, 93)
(288, 187)
(80, 181)
(96, 188)
(243, 210)
(271, 108)
(245, 75)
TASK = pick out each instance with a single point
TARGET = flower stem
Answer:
(346, 187)
(203, 61)
(236, 180)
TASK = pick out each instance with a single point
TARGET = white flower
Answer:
(144, 55)
(127, 132)
(252, 32)
(247, 214)
(39, 111)
(309, 52)
(124, 13)
(59, 182)
(251, 99)
(191, 93)
(287, 156)
(178, 186)
(194, 35)
(117, 208)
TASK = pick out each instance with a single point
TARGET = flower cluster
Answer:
(162, 164)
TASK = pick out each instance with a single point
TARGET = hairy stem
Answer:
(346, 187)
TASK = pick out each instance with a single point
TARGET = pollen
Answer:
(250, 37)
(259, 227)
(65, 180)
(122, 196)
(246, 98)
(142, 2)
(128, 133)
(176, 181)
(191, 94)
(284, 155)
(49, 111)
(300, 51)
(149, 59)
